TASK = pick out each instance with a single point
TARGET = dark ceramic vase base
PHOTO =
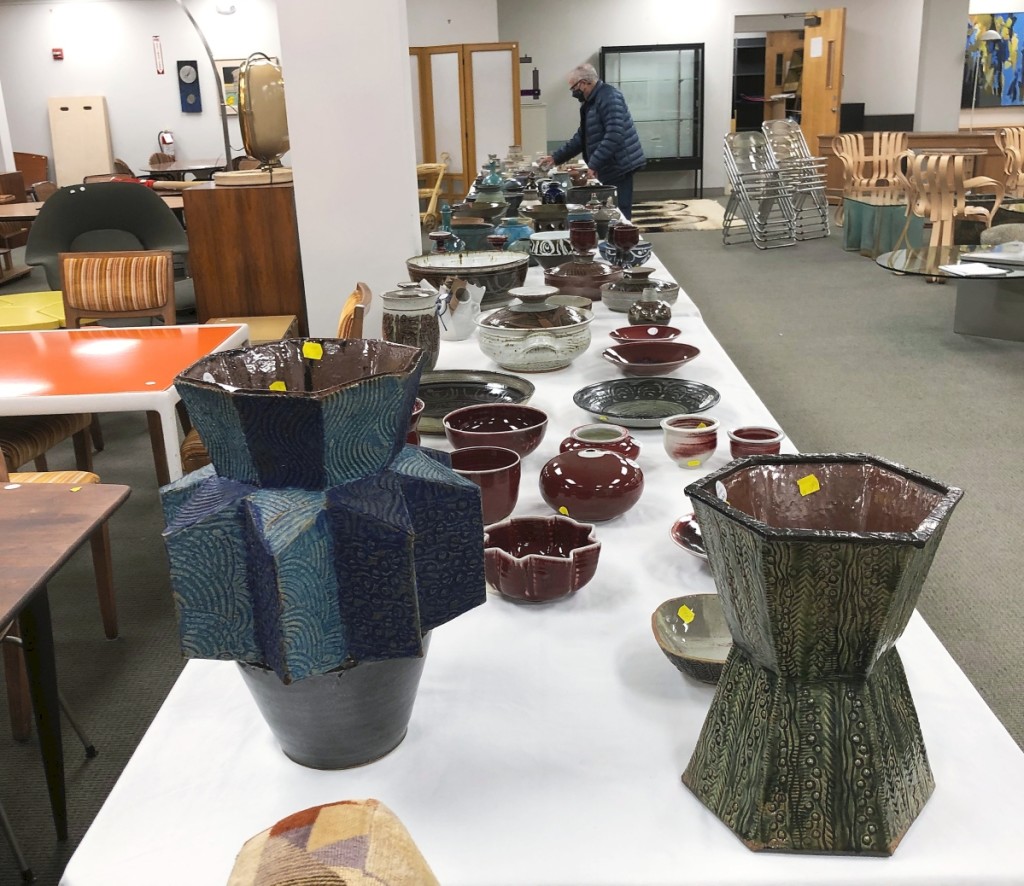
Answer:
(834, 766)
(341, 719)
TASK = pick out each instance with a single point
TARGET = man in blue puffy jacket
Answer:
(606, 138)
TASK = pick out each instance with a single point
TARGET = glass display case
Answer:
(663, 85)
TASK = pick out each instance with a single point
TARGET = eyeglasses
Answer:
(574, 85)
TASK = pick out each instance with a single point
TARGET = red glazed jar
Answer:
(591, 484)
(600, 435)
(755, 440)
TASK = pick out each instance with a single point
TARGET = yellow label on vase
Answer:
(278, 386)
(312, 350)
(693, 463)
(564, 511)
(686, 614)
(808, 484)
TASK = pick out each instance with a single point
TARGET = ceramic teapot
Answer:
(458, 306)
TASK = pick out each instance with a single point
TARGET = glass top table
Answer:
(926, 261)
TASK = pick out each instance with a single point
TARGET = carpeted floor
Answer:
(654, 216)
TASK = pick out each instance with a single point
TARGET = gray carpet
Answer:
(846, 356)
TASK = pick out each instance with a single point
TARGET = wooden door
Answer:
(491, 84)
(821, 86)
(442, 113)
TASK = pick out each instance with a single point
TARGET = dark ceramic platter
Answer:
(686, 534)
(443, 391)
(644, 402)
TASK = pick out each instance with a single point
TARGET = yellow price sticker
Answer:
(278, 386)
(76, 488)
(686, 614)
(701, 425)
(564, 511)
(693, 463)
(602, 418)
(808, 484)
(312, 350)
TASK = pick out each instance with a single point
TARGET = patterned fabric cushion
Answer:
(193, 452)
(117, 283)
(25, 437)
(71, 478)
(352, 843)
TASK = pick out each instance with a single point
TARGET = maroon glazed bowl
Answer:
(413, 435)
(508, 425)
(591, 484)
(537, 559)
(497, 472)
(650, 357)
(645, 332)
(755, 440)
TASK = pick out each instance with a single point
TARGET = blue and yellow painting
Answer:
(993, 70)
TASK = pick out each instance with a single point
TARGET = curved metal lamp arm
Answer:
(220, 85)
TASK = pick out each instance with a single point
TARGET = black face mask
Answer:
(578, 95)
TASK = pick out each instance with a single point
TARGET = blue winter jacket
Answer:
(607, 137)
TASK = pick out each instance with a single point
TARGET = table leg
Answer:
(37, 640)
(163, 434)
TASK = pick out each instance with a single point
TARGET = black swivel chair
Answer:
(106, 217)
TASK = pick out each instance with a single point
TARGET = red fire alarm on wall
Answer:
(58, 54)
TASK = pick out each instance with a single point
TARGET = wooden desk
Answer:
(264, 329)
(29, 211)
(244, 251)
(41, 526)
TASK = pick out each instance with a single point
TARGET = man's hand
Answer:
(545, 163)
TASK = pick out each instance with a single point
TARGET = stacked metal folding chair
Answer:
(804, 176)
(760, 208)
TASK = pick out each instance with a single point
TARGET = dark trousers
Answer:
(624, 195)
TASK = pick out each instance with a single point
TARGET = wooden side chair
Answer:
(27, 438)
(44, 190)
(1010, 142)
(430, 181)
(131, 284)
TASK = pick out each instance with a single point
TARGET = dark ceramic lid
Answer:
(583, 264)
(531, 311)
(639, 279)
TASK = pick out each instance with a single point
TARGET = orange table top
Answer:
(102, 360)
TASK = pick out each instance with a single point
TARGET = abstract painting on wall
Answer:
(993, 69)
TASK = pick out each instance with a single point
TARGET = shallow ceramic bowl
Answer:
(645, 333)
(685, 532)
(537, 559)
(550, 248)
(489, 212)
(692, 633)
(497, 271)
(508, 425)
(650, 357)
(644, 402)
(444, 391)
(473, 234)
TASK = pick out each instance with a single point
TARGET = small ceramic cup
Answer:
(601, 435)
(496, 471)
(690, 440)
(413, 434)
(755, 440)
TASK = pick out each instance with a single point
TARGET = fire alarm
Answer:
(58, 54)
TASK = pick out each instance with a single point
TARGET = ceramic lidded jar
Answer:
(582, 274)
(591, 484)
(649, 310)
(410, 318)
(600, 435)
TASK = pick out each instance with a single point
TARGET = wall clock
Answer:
(188, 87)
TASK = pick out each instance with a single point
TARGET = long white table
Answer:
(547, 741)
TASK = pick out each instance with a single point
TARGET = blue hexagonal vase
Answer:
(318, 549)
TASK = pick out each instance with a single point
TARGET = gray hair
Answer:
(585, 72)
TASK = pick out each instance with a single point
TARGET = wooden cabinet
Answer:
(244, 251)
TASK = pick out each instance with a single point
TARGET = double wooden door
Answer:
(466, 104)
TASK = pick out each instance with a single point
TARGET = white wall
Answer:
(108, 50)
(881, 54)
(439, 22)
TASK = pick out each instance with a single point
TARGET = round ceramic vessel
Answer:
(583, 275)
(497, 472)
(497, 271)
(537, 348)
(755, 440)
(625, 258)
(650, 357)
(690, 440)
(693, 634)
(649, 332)
(591, 484)
(410, 318)
(538, 559)
(601, 435)
(510, 426)
(550, 248)
(473, 234)
(413, 436)
(621, 294)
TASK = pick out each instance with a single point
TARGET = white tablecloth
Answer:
(547, 741)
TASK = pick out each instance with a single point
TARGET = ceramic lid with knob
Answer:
(532, 311)
(639, 279)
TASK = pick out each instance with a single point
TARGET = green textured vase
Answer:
(812, 743)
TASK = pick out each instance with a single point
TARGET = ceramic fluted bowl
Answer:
(537, 559)
(692, 633)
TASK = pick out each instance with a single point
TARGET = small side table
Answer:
(264, 329)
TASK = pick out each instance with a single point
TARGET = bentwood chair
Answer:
(430, 178)
(1010, 142)
(871, 162)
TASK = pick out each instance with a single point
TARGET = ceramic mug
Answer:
(755, 440)
(497, 472)
(690, 440)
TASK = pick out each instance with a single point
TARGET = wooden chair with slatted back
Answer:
(44, 190)
(128, 284)
(27, 438)
(1010, 142)
(430, 181)
(353, 312)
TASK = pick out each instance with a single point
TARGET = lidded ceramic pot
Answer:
(649, 309)
(591, 484)
(620, 294)
(601, 435)
(410, 318)
(582, 274)
(533, 336)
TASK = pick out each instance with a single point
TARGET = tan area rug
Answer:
(653, 216)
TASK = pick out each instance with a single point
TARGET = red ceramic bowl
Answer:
(536, 559)
(591, 484)
(645, 332)
(755, 440)
(497, 472)
(508, 425)
(650, 357)
(413, 435)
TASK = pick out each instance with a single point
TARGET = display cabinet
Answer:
(663, 85)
